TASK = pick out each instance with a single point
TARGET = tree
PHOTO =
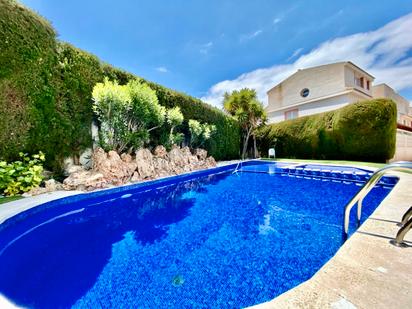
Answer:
(127, 114)
(174, 118)
(111, 105)
(244, 106)
(146, 113)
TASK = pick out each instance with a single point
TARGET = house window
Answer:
(368, 85)
(359, 81)
(304, 92)
(292, 114)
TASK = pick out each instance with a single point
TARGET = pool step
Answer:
(335, 174)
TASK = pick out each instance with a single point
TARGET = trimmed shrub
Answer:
(363, 131)
(46, 93)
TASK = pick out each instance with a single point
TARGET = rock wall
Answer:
(113, 169)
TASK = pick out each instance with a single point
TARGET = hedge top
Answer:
(360, 131)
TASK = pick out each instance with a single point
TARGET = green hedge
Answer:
(77, 74)
(363, 131)
(225, 143)
(27, 62)
(45, 93)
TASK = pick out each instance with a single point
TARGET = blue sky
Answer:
(204, 48)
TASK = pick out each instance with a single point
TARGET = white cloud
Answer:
(162, 69)
(296, 53)
(383, 53)
(250, 36)
(285, 14)
(205, 48)
(277, 20)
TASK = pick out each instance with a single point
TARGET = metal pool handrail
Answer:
(406, 227)
(401, 166)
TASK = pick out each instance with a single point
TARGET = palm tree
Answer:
(244, 106)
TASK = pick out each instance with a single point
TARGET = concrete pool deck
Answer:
(13, 208)
(366, 272)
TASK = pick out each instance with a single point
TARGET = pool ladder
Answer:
(401, 166)
(406, 225)
(237, 167)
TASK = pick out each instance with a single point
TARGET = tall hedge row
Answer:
(45, 93)
(361, 131)
(28, 57)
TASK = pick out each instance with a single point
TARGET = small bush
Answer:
(200, 133)
(361, 131)
(21, 176)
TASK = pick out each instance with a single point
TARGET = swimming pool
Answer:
(208, 239)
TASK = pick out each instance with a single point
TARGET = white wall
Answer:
(321, 81)
(384, 91)
(403, 150)
(316, 107)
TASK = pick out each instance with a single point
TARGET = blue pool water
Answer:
(211, 239)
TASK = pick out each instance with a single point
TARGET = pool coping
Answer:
(367, 271)
(324, 289)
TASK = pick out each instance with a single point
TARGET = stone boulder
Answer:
(99, 158)
(53, 185)
(131, 164)
(49, 186)
(210, 162)
(144, 162)
(72, 169)
(108, 169)
(85, 180)
(191, 159)
(126, 158)
(186, 152)
(114, 169)
(136, 177)
(160, 152)
(200, 153)
(162, 167)
(177, 157)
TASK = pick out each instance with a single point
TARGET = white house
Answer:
(331, 86)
